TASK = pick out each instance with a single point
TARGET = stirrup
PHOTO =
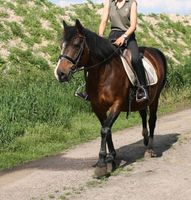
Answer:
(143, 98)
(83, 96)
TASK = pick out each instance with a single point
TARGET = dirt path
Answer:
(69, 175)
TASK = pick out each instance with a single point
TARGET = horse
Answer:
(108, 86)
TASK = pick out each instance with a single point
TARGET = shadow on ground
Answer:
(129, 153)
(133, 152)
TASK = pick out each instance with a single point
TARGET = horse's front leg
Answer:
(101, 168)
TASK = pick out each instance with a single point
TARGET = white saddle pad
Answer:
(149, 71)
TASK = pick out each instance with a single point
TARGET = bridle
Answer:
(75, 61)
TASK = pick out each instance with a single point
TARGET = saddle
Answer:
(150, 72)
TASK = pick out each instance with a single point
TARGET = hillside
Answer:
(37, 114)
(32, 29)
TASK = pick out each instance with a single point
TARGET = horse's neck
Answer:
(94, 73)
(98, 75)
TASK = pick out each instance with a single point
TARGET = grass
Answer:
(73, 191)
(47, 123)
(26, 60)
(16, 29)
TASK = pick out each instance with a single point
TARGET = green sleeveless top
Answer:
(120, 17)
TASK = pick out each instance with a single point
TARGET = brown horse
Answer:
(107, 84)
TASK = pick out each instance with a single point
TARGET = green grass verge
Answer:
(41, 117)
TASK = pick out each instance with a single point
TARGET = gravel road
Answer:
(69, 174)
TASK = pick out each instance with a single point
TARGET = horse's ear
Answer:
(79, 26)
(64, 24)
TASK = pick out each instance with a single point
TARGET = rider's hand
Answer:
(120, 41)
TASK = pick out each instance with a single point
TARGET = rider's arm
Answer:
(133, 19)
(104, 19)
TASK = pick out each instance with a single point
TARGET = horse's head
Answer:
(73, 51)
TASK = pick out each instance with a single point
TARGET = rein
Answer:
(103, 61)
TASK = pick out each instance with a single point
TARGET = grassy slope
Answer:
(40, 117)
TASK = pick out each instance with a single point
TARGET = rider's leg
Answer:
(142, 92)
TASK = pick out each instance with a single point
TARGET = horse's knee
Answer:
(105, 131)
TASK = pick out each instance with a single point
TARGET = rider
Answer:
(123, 17)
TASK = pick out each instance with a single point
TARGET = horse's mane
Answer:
(99, 47)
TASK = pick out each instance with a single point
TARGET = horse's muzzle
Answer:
(62, 77)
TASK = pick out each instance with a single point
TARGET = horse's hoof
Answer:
(111, 166)
(95, 165)
(149, 153)
(153, 154)
(100, 171)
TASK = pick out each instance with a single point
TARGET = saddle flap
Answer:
(150, 71)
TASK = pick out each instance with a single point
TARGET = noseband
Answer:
(75, 61)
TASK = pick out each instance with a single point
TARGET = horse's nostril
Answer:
(62, 77)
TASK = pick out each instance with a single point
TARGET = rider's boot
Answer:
(142, 91)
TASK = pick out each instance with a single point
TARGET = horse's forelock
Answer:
(69, 32)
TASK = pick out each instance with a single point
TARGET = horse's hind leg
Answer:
(112, 152)
(152, 122)
(145, 133)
